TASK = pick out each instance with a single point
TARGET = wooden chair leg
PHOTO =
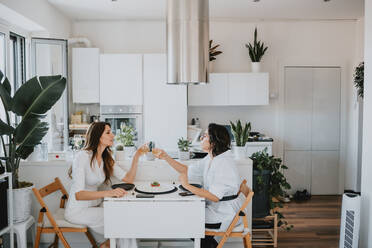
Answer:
(91, 239)
(37, 238)
(62, 238)
(247, 241)
(56, 240)
(222, 242)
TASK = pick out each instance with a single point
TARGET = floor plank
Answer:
(316, 223)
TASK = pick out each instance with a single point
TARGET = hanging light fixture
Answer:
(187, 41)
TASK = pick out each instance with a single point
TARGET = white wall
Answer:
(311, 43)
(366, 217)
(56, 25)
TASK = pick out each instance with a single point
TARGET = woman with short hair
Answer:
(219, 176)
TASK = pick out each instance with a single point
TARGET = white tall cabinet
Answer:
(165, 106)
(121, 79)
(85, 75)
(312, 128)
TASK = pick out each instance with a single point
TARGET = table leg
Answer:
(197, 243)
(112, 243)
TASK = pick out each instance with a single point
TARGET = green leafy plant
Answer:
(126, 135)
(212, 51)
(240, 134)
(31, 102)
(359, 79)
(183, 145)
(257, 50)
(277, 184)
(119, 148)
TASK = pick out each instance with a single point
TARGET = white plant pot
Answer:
(22, 199)
(256, 66)
(129, 151)
(120, 155)
(150, 156)
(240, 152)
(184, 155)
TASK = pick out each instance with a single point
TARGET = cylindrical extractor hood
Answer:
(187, 41)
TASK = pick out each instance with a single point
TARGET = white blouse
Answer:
(219, 176)
(89, 178)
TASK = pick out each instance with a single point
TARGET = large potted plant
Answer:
(269, 184)
(256, 51)
(30, 102)
(125, 137)
(183, 149)
(241, 138)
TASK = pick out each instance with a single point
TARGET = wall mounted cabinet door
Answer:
(121, 79)
(215, 93)
(85, 75)
(248, 89)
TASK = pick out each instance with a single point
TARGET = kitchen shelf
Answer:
(78, 126)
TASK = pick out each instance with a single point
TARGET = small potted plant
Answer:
(125, 137)
(256, 51)
(119, 153)
(241, 138)
(183, 149)
(213, 52)
(31, 101)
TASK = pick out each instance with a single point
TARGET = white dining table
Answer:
(166, 216)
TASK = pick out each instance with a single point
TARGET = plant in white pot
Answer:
(183, 149)
(241, 138)
(125, 137)
(119, 153)
(30, 102)
(256, 51)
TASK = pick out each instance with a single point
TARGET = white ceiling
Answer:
(219, 9)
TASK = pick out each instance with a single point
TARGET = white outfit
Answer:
(220, 177)
(89, 178)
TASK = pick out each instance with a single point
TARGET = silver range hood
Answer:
(187, 41)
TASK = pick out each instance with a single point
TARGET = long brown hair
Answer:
(92, 139)
(92, 142)
(219, 139)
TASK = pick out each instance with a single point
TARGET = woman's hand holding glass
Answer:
(142, 150)
(159, 153)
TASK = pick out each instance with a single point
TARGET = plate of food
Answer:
(193, 184)
(125, 186)
(155, 188)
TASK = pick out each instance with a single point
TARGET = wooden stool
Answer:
(268, 234)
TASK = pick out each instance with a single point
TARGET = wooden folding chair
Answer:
(266, 236)
(241, 231)
(56, 223)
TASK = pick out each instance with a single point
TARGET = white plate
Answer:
(156, 189)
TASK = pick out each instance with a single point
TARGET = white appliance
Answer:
(350, 220)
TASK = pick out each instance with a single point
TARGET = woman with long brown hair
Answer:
(92, 167)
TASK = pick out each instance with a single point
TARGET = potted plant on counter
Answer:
(183, 149)
(241, 138)
(119, 153)
(125, 137)
(30, 102)
(256, 51)
(269, 184)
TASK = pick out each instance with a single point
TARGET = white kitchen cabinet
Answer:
(324, 172)
(213, 93)
(121, 79)
(85, 75)
(231, 89)
(165, 106)
(248, 89)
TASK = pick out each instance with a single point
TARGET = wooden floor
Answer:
(316, 223)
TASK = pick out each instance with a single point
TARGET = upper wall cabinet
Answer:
(121, 79)
(231, 89)
(85, 75)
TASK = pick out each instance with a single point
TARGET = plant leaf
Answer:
(36, 98)
(30, 132)
(5, 90)
(5, 128)
(24, 151)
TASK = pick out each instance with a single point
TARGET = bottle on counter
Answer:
(197, 122)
